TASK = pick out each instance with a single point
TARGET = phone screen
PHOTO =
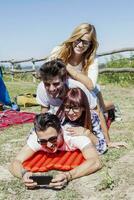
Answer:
(41, 180)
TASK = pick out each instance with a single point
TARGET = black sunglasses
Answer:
(52, 140)
(75, 109)
(84, 42)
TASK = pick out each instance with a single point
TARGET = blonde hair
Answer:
(66, 47)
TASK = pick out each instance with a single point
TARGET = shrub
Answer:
(123, 79)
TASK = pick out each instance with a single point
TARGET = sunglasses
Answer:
(84, 42)
(52, 140)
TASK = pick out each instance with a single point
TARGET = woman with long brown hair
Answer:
(75, 114)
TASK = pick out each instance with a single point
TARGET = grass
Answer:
(13, 138)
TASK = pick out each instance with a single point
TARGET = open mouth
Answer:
(52, 150)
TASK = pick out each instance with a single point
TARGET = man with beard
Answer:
(49, 136)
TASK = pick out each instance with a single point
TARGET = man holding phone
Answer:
(49, 136)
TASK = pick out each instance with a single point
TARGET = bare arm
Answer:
(91, 136)
(90, 165)
(79, 76)
(16, 166)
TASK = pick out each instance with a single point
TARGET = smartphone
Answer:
(42, 180)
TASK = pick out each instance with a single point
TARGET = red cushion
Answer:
(62, 160)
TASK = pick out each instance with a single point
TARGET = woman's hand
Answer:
(27, 181)
(59, 181)
(117, 145)
(77, 131)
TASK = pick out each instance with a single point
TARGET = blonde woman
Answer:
(79, 54)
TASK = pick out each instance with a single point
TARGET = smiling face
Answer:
(50, 139)
(54, 87)
(81, 45)
(73, 112)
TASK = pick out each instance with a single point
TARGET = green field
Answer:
(114, 181)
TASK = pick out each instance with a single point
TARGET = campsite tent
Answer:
(4, 95)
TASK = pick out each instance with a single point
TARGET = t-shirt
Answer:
(71, 143)
(45, 100)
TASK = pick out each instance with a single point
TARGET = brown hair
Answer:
(76, 97)
(53, 68)
(44, 120)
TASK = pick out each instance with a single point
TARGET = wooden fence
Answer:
(33, 61)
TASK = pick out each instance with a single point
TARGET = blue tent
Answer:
(4, 95)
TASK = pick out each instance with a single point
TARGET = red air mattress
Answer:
(62, 160)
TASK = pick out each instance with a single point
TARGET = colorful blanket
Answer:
(10, 117)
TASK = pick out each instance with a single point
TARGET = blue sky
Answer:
(31, 28)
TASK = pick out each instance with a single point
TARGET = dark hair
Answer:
(44, 120)
(53, 68)
(76, 97)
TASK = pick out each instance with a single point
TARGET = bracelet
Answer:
(70, 178)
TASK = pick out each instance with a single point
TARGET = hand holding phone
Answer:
(29, 183)
(42, 180)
